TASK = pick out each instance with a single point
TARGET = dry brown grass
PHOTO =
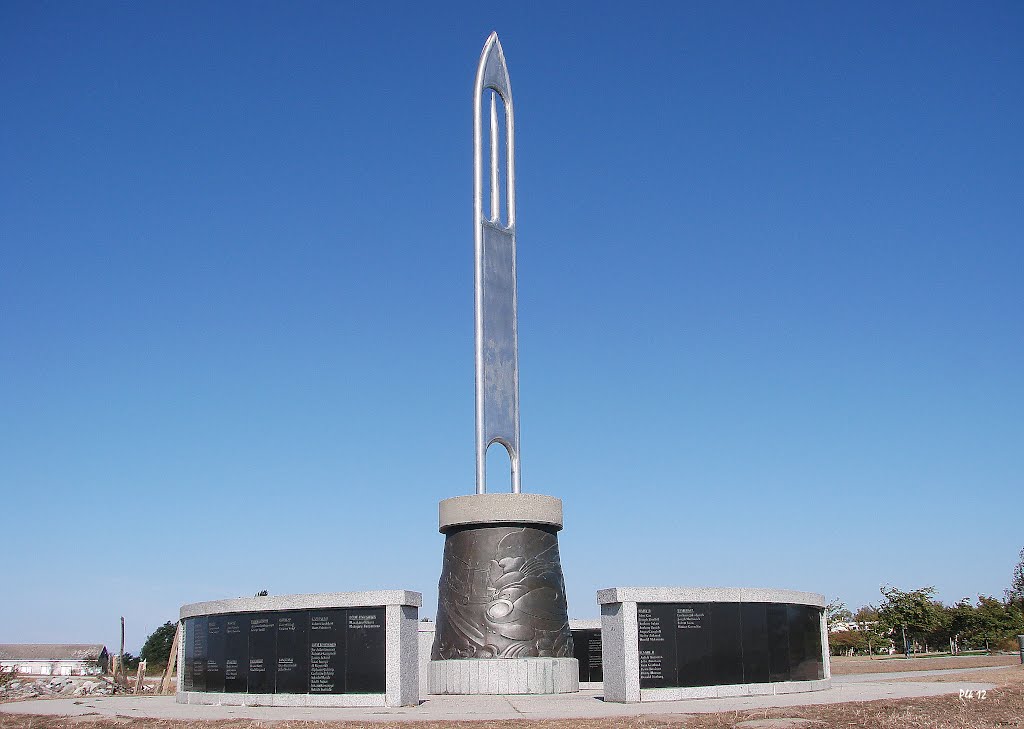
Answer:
(842, 665)
(999, 676)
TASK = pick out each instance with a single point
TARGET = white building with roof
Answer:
(54, 659)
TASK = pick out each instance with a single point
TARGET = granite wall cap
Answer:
(589, 624)
(499, 509)
(709, 594)
(318, 600)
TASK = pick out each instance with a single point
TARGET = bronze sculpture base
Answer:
(501, 594)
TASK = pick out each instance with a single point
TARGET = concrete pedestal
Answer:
(504, 676)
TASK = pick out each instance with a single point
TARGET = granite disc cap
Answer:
(499, 509)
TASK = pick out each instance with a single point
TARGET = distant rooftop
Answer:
(51, 651)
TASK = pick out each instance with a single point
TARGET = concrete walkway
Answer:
(585, 704)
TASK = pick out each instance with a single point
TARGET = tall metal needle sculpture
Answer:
(501, 594)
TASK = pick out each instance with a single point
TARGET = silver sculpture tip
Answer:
(490, 44)
(492, 73)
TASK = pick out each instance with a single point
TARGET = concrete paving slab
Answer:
(582, 705)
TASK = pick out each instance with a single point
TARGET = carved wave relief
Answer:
(501, 595)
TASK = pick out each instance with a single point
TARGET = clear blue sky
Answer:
(770, 277)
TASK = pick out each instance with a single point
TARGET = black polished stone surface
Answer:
(813, 645)
(327, 651)
(708, 644)
(199, 655)
(693, 645)
(215, 653)
(364, 652)
(656, 636)
(754, 618)
(333, 651)
(596, 656)
(262, 653)
(189, 655)
(727, 643)
(292, 673)
(777, 619)
(587, 650)
(804, 638)
(236, 654)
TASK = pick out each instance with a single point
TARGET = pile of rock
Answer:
(59, 686)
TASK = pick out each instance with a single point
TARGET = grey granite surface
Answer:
(504, 676)
(619, 654)
(498, 509)
(225, 699)
(424, 642)
(708, 594)
(369, 598)
(734, 690)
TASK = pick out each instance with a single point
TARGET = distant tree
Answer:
(836, 612)
(866, 614)
(961, 622)
(913, 615)
(1015, 594)
(844, 642)
(941, 632)
(157, 647)
(878, 635)
(993, 623)
(130, 662)
(869, 636)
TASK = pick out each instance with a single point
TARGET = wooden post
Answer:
(115, 666)
(120, 656)
(140, 676)
(172, 661)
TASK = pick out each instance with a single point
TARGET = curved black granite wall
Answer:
(721, 643)
(587, 650)
(316, 651)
